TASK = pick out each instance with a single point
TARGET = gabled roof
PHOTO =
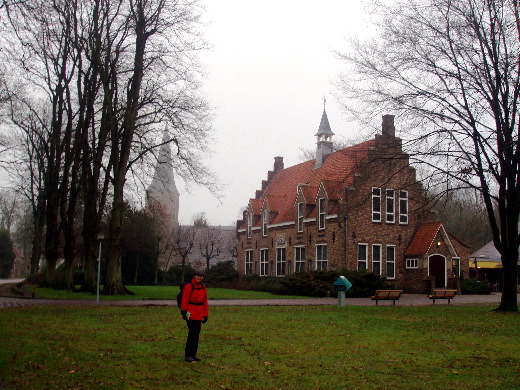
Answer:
(255, 205)
(338, 171)
(424, 237)
(308, 193)
(273, 203)
(332, 189)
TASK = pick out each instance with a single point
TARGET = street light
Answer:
(100, 239)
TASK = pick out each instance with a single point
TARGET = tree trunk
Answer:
(136, 268)
(114, 283)
(37, 239)
(509, 301)
(120, 156)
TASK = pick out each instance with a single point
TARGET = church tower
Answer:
(162, 196)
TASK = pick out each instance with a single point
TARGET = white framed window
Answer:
(300, 217)
(362, 257)
(249, 262)
(299, 258)
(265, 221)
(321, 213)
(376, 204)
(455, 266)
(376, 259)
(280, 261)
(264, 262)
(390, 206)
(322, 257)
(249, 224)
(403, 207)
(390, 261)
(412, 263)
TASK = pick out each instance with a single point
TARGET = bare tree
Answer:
(183, 240)
(113, 74)
(9, 209)
(464, 214)
(43, 34)
(451, 70)
(210, 243)
(200, 220)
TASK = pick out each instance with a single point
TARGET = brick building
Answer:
(360, 208)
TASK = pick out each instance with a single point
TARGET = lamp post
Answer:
(100, 239)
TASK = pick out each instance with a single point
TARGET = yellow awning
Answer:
(486, 264)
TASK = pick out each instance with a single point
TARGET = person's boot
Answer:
(196, 358)
(190, 359)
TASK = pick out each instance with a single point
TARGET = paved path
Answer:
(406, 300)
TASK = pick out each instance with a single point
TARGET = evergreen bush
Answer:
(222, 274)
(317, 283)
(174, 275)
(474, 286)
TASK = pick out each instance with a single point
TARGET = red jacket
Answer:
(195, 300)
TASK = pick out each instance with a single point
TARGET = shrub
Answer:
(364, 284)
(474, 286)
(174, 274)
(79, 276)
(36, 279)
(317, 283)
(261, 283)
(222, 274)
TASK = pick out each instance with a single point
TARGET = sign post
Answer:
(342, 285)
(100, 239)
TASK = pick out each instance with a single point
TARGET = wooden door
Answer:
(437, 268)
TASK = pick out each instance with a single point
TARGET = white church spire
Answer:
(162, 194)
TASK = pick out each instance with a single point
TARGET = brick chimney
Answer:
(278, 164)
(388, 128)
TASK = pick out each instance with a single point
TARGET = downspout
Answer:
(346, 242)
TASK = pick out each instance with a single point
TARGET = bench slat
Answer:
(442, 294)
(387, 295)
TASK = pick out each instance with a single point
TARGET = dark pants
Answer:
(192, 343)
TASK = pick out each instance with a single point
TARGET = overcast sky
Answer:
(270, 67)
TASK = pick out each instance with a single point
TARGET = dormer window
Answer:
(300, 217)
(265, 221)
(321, 213)
(376, 204)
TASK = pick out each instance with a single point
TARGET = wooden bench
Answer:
(442, 294)
(387, 295)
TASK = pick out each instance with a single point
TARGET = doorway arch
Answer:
(437, 268)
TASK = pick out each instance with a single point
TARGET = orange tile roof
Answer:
(256, 206)
(309, 194)
(333, 189)
(273, 203)
(423, 238)
(337, 171)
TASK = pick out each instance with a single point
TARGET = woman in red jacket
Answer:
(194, 310)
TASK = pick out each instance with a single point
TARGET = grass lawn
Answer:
(157, 292)
(259, 347)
